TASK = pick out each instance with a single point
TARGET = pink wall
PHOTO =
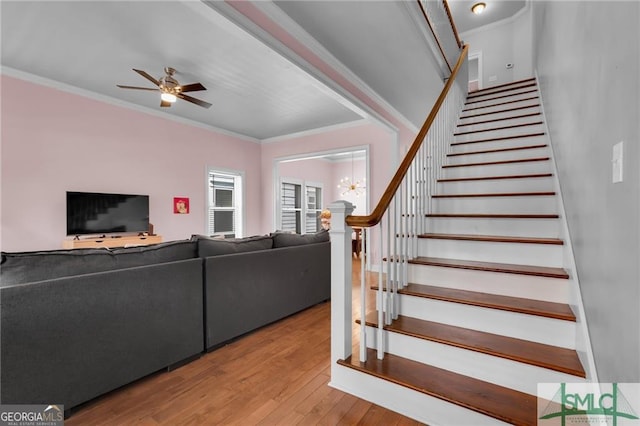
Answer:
(381, 148)
(54, 141)
(344, 169)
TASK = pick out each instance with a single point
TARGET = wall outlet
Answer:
(493, 78)
(617, 161)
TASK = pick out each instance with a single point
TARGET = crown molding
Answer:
(42, 81)
(316, 131)
(494, 25)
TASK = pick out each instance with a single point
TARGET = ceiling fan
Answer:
(170, 89)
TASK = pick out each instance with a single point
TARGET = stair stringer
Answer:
(408, 402)
(583, 342)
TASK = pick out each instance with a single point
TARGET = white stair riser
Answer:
(499, 144)
(491, 100)
(413, 404)
(496, 185)
(548, 331)
(507, 110)
(497, 106)
(468, 127)
(549, 228)
(501, 91)
(514, 253)
(524, 168)
(515, 205)
(537, 128)
(516, 285)
(503, 372)
(485, 157)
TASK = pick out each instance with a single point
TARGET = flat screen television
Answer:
(98, 213)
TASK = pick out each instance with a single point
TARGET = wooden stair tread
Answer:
(494, 215)
(492, 400)
(495, 90)
(533, 353)
(513, 117)
(521, 305)
(540, 271)
(480, 114)
(493, 238)
(503, 138)
(493, 151)
(495, 163)
(512, 83)
(513, 126)
(500, 103)
(530, 176)
(501, 97)
(496, 194)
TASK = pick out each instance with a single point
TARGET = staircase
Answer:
(485, 316)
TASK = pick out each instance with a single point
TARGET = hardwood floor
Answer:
(277, 375)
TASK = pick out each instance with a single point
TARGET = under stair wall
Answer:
(488, 298)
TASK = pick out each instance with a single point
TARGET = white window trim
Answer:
(240, 197)
(303, 204)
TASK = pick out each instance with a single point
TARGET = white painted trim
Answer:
(583, 344)
(292, 27)
(496, 24)
(32, 78)
(477, 55)
(317, 131)
(243, 194)
(277, 46)
(277, 178)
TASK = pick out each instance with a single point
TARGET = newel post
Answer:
(341, 316)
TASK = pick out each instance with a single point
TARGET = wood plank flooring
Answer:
(277, 375)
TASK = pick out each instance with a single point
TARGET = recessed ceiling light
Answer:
(478, 8)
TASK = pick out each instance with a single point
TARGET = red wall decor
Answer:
(181, 205)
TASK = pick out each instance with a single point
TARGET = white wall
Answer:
(588, 62)
(504, 42)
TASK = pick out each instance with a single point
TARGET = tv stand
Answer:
(112, 242)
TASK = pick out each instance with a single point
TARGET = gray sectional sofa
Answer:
(75, 324)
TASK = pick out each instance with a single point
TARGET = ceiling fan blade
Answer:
(147, 76)
(193, 100)
(193, 87)
(165, 104)
(137, 88)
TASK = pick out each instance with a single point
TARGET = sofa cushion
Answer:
(155, 253)
(208, 246)
(282, 239)
(18, 268)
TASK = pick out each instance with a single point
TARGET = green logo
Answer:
(582, 404)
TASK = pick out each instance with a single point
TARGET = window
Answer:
(224, 211)
(300, 206)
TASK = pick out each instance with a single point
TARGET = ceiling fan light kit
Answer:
(170, 89)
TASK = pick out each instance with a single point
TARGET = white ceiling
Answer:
(496, 10)
(94, 46)
(255, 92)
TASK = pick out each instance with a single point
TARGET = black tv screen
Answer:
(97, 213)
